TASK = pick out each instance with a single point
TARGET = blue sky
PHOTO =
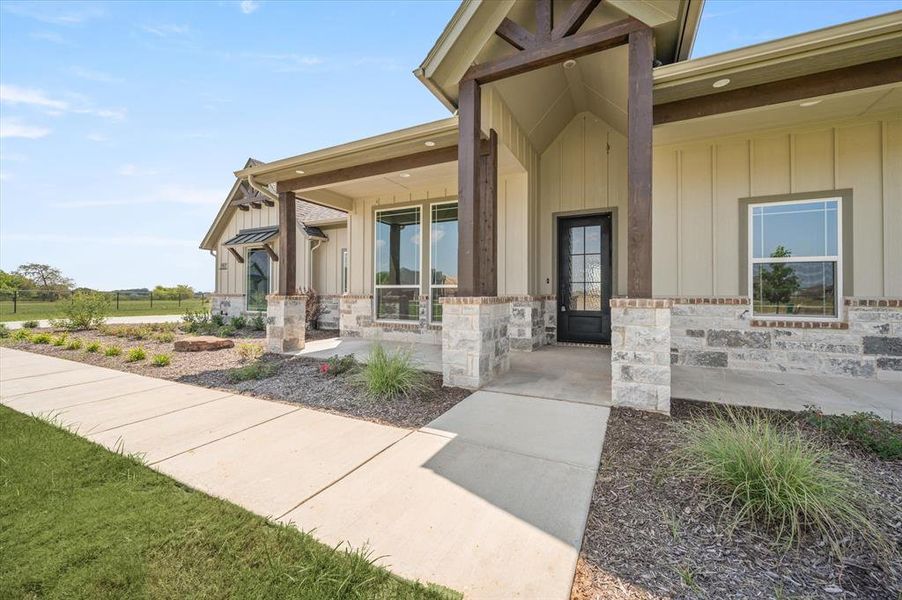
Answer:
(121, 123)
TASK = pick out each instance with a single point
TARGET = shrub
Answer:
(866, 431)
(92, 347)
(59, 340)
(258, 322)
(389, 374)
(41, 338)
(84, 310)
(226, 331)
(112, 351)
(217, 320)
(21, 335)
(164, 337)
(248, 351)
(161, 360)
(336, 365)
(4, 331)
(196, 322)
(238, 322)
(135, 354)
(74, 344)
(767, 475)
(254, 370)
(30, 324)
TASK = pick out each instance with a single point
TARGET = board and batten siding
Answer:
(579, 174)
(327, 261)
(697, 187)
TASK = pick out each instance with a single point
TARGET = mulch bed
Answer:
(650, 533)
(298, 380)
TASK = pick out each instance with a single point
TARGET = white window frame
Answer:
(838, 282)
(247, 262)
(418, 286)
(344, 271)
(443, 286)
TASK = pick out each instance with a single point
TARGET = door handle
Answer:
(563, 308)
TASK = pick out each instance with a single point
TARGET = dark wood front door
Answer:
(584, 279)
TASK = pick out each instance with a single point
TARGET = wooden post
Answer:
(487, 236)
(639, 144)
(287, 244)
(469, 118)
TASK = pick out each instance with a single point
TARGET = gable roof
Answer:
(307, 212)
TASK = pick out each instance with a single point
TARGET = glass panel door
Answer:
(584, 279)
(258, 270)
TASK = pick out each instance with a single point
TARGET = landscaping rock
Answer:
(201, 343)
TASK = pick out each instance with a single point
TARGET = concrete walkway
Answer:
(490, 499)
(130, 320)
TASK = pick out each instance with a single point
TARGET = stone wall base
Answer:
(286, 324)
(640, 353)
(330, 312)
(356, 320)
(475, 342)
(227, 305)
(533, 322)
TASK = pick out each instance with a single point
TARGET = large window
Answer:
(442, 255)
(258, 267)
(397, 264)
(796, 259)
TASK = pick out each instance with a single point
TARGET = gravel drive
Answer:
(650, 534)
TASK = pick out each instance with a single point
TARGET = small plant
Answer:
(336, 365)
(30, 324)
(238, 322)
(258, 322)
(135, 354)
(226, 331)
(161, 360)
(217, 320)
(92, 347)
(196, 322)
(41, 338)
(866, 431)
(59, 340)
(248, 351)
(4, 331)
(764, 474)
(21, 335)
(74, 344)
(112, 351)
(254, 370)
(687, 576)
(84, 310)
(164, 337)
(387, 375)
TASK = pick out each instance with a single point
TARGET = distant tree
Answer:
(45, 277)
(779, 282)
(14, 281)
(173, 293)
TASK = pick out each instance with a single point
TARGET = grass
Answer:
(82, 522)
(59, 340)
(766, 474)
(866, 431)
(92, 347)
(32, 310)
(387, 375)
(135, 354)
(249, 351)
(254, 370)
(112, 351)
(161, 360)
(74, 344)
(41, 338)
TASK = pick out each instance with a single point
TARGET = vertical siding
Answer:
(697, 187)
(327, 261)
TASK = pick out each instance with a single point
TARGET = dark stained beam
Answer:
(544, 19)
(242, 206)
(237, 256)
(639, 147)
(379, 167)
(865, 75)
(288, 237)
(267, 201)
(468, 153)
(576, 15)
(487, 229)
(514, 34)
(271, 252)
(555, 51)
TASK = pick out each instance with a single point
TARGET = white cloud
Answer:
(54, 12)
(13, 94)
(130, 240)
(284, 63)
(92, 75)
(13, 128)
(50, 36)
(167, 194)
(166, 30)
(131, 170)
(248, 6)
(97, 137)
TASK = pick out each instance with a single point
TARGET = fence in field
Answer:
(26, 303)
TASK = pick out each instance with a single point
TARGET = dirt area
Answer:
(297, 380)
(650, 533)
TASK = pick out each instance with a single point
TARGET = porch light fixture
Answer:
(721, 83)
(299, 171)
(569, 63)
(808, 103)
(430, 143)
(405, 175)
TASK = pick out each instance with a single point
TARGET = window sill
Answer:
(799, 324)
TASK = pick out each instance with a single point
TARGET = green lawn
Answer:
(27, 310)
(77, 521)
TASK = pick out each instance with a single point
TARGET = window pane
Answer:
(257, 279)
(794, 288)
(577, 273)
(398, 304)
(398, 247)
(576, 240)
(593, 268)
(436, 305)
(593, 296)
(593, 239)
(344, 270)
(797, 230)
(577, 296)
(444, 244)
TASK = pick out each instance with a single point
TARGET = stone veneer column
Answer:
(355, 314)
(285, 322)
(475, 343)
(640, 353)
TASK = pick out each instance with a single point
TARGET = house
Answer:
(741, 211)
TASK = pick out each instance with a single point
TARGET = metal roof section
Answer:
(315, 233)
(257, 235)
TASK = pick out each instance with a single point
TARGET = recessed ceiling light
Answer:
(430, 143)
(404, 175)
(721, 83)
(299, 171)
(810, 102)
(569, 64)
